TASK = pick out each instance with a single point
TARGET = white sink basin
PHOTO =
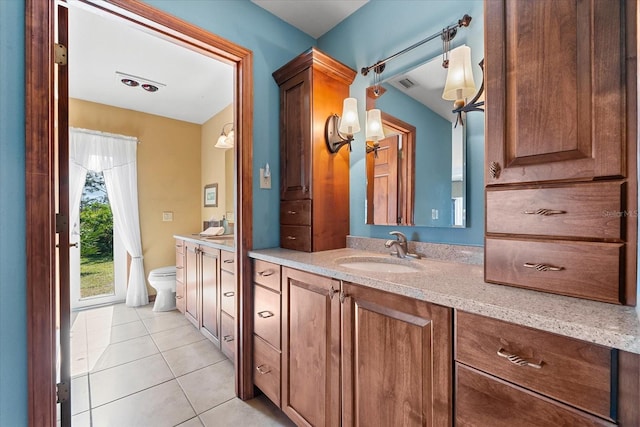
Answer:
(379, 264)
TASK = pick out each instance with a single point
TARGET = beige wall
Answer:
(169, 177)
(217, 164)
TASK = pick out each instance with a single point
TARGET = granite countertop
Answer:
(225, 242)
(461, 286)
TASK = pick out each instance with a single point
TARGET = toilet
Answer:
(163, 280)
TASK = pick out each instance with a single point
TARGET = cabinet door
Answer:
(311, 349)
(210, 290)
(397, 361)
(295, 135)
(555, 90)
(191, 272)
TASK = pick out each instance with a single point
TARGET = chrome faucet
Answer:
(400, 244)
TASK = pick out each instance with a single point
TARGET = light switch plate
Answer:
(265, 181)
(167, 216)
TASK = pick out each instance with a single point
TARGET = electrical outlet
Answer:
(434, 213)
(167, 216)
(265, 181)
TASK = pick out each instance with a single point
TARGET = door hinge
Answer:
(62, 391)
(62, 223)
(60, 54)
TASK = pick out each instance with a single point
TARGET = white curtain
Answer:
(115, 157)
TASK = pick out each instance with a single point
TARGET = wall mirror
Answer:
(418, 175)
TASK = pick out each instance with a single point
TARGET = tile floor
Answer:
(132, 367)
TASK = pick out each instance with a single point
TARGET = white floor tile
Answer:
(193, 422)
(120, 381)
(162, 405)
(163, 323)
(210, 386)
(81, 420)
(127, 331)
(146, 311)
(191, 357)
(122, 352)
(258, 412)
(79, 394)
(177, 337)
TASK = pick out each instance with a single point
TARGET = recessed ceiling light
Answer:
(149, 88)
(130, 82)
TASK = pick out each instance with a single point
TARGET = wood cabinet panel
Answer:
(228, 293)
(397, 360)
(180, 300)
(584, 269)
(266, 315)
(266, 274)
(311, 349)
(555, 90)
(191, 297)
(266, 369)
(295, 212)
(572, 371)
(296, 237)
(585, 211)
(227, 335)
(228, 261)
(209, 266)
(485, 401)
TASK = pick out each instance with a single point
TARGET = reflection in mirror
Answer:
(418, 175)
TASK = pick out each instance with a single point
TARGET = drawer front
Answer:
(228, 288)
(179, 265)
(179, 246)
(581, 269)
(266, 315)
(572, 371)
(266, 274)
(295, 212)
(180, 296)
(296, 237)
(228, 342)
(266, 369)
(482, 400)
(591, 210)
(228, 261)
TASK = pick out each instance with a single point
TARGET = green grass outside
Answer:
(96, 277)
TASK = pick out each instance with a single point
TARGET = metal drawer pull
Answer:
(229, 294)
(265, 314)
(228, 261)
(494, 170)
(292, 212)
(228, 338)
(517, 360)
(266, 273)
(263, 369)
(545, 212)
(291, 237)
(179, 267)
(178, 296)
(542, 267)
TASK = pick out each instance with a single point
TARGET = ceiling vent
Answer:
(406, 83)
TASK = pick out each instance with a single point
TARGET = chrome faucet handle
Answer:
(399, 235)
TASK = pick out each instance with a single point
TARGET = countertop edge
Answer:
(543, 319)
(203, 241)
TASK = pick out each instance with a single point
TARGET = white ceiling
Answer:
(197, 86)
(314, 17)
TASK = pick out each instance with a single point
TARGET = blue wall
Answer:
(274, 43)
(13, 330)
(380, 29)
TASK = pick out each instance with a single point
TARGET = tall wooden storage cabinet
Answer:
(314, 183)
(561, 128)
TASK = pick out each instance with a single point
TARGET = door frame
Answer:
(40, 185)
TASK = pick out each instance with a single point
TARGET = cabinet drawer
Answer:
(179, 246)
(295, 212)
(296, 237)
(266, 274)
(266, 315)
(228, 288)
(482, 400)
(266, 369)
(581, 269)
(228, 261)
(228, 342)
(180, 290)
(591, 210)
(572, 371)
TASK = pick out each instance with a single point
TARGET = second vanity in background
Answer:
(206, 288)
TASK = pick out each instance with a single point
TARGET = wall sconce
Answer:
(460, 84)
(374, 130)
(339, 131)
(226, 139)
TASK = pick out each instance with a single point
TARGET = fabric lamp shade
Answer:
(374, 125)
(459, 84)
(349, 123)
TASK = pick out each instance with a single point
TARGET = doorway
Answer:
(42, 151)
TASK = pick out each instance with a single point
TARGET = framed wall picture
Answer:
(211, 195)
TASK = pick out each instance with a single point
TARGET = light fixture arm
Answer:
(449, 33)
(335, 140)
(472, 105)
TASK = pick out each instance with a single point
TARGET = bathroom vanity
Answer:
(435, 345)
(206, 287)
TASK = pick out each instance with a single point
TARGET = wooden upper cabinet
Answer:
(312, 87)
(555, 92)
